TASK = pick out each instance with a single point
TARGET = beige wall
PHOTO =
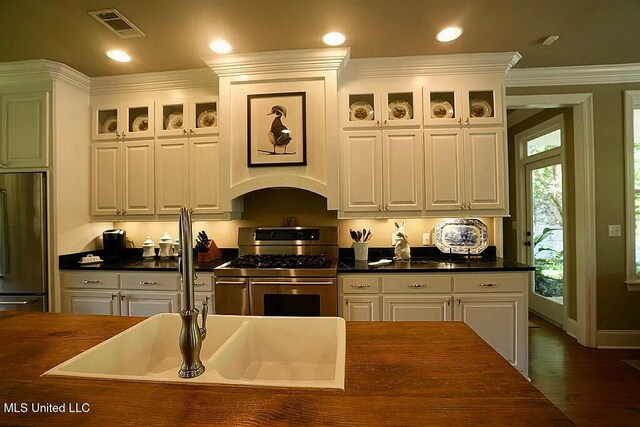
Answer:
(268, 207)
(510, 234)
(618, 308)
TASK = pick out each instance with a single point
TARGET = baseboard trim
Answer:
(618, 339)
(572, 328)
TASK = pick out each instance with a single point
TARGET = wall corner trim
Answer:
(574, 75)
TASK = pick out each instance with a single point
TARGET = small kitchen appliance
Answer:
(114, 243)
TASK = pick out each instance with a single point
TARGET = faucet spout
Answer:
(191, 336)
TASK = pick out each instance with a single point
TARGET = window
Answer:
(632, 161)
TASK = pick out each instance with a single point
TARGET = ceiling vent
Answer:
(116, 22)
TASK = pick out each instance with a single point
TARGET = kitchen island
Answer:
(397, 373)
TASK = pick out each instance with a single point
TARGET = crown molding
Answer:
(42, 70)
(285, 61)
(145, 82)
(468, 63)
(577, 75)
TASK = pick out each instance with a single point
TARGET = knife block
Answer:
(212, 254)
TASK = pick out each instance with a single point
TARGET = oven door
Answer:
(294, 297)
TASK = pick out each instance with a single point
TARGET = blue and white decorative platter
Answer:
(461, 236)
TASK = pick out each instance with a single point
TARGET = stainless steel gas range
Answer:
(282, 271)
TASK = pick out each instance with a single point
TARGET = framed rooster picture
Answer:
(277, 129)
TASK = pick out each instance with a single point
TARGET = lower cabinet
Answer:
(129, 293)
(494, 305)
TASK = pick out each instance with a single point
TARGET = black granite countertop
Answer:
(428, 259)
(134, 262)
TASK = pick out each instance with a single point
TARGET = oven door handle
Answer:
(274, 283)
(231, 282)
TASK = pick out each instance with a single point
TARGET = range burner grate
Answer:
(279, 261)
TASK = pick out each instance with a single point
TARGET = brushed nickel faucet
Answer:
(191, 336)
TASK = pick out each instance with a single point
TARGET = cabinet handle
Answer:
(417, 286)
(346, 301)
(379, 207)
(191, 131)
(448, 300)
(385, 122)
(117, 135)
(386, 207)
(123, 135)
(3, 165)
(206, 299)
(87, 282)
(118, 212)
(461, 206)
(113, 296)
(142, 282)
(377, 122)
(122, 297)
(488, 285)
(184, 131)
(460, 121)
(361, 286)
(124, 211)
(191, 210)
(459, 301)
(467, 121)
(468, 205)
(198, 284)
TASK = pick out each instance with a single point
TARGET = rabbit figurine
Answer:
(402, 250)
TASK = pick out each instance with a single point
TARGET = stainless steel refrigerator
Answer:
(23, 242)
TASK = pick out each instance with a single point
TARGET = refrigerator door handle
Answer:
(16, 302)
(4, 253)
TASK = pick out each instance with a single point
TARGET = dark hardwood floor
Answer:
(591, 386)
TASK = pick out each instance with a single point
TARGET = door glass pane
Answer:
(544, 143)
(548, 248)
(636, 182)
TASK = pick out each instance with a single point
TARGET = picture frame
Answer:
(277, 129)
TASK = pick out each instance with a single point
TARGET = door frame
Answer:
(585, 326)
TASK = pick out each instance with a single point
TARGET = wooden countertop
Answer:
(397, 373)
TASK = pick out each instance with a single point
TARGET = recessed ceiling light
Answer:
(550, 40)
(448, 34)
(220, 46)
(334, 39)
(118, 55)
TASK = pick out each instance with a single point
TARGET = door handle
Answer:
(292, 283)
(16, 302)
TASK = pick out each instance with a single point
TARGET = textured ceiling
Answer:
(178, 32)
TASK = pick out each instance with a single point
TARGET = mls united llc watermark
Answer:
(45, 408)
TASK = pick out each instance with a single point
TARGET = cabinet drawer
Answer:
(360, 284)
(489, 283)
(203, 283)
(90, 280)
(416, 284)
(152, 282)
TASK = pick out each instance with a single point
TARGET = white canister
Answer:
(166, 246)
(148, 248)
(361, 250)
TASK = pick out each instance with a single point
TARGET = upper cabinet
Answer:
(175, 117)
(24, 138)
(474, 101)
(380, 106)
(120, 121)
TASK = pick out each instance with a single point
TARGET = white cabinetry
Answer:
(465, 171)
(122, 178)
(187, 175)
(192, 116)
(382, 170)
(494, 305)
(24, 127)
(127, 293)
(125, 120)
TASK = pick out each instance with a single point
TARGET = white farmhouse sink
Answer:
(239, 350)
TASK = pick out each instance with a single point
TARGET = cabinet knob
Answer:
(377, 122)
(386, 207)
(123, 135)
(118, 212)
(460, 121)
(113, 296)
(448, 300)
(468, 205)
(467, 121)
(191, 131)
(379, 207)
(184, 131)
(385, 122)
(346, 301)
(122, 297)
(459, 301)
(461, 206)
(124, 211)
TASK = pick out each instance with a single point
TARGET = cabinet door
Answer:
(443, 166)
(484, 169)
(417, 308)
(92, 302)
(203, 116)
(137, 120)
(149, 303)
(137, 169)
(402, 170)
(172, 172)
(483, 103)
(203, 175)
(25, 130)
(106, 122)
(360, 108)
(171, 117)
(105, 178)
(362, 171)
(443, 104)
(361, 308)
(499, 320)
(402, 106)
